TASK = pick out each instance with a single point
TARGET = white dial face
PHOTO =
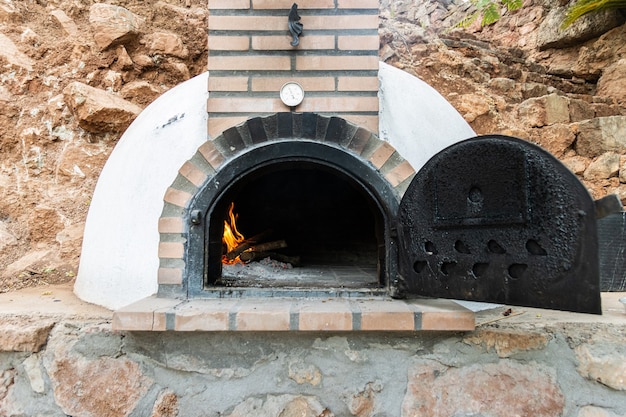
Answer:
(292, 94)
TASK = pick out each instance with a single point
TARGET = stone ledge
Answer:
(293, 314)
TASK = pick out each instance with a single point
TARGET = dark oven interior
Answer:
(332, 227)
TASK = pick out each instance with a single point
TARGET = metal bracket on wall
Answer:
(295, 26)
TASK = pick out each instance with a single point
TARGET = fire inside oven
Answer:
(297, 224)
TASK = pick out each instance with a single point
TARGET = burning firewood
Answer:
(264, 247)
(249, 256)
(247, 244)
(250, 246)
(239, 249)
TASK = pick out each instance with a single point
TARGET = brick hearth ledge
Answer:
(294, 314)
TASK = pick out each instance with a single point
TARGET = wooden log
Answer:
(265, 247)
(250, 256)
(246, 244)
(293, 260)
(243, 246)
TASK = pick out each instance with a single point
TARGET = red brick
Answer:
(358, 4)
(229, 43)
(339, 22)
(147, 314)
(359, 43)
(286, 4)
(217, 125)
(245, 105)
(228, 83)
(201, 321)
(211, 154)
(400, 173)
(204, 315)
(171, 225)
(386, 315)
(368, 122)
(444, 315)
(264, 316)
(346, 62)
(171, 276)
(236, 23)
(171, 250)
(256, 63)
(133, 321)
(193, 174)
(381, 155)
(448, 321)
(177, 197)
(357, 84)
(308, 83)
(339, 104)
(277, 43)
(334, 315)
(229, 4)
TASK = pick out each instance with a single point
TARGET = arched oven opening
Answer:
(332, 208)
(302, 224)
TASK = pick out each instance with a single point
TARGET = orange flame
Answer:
(232, 238)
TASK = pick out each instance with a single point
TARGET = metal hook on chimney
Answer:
(295, 26)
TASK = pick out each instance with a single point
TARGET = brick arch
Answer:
(204, 172)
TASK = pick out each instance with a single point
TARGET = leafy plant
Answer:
(583, 7)
(489, 11)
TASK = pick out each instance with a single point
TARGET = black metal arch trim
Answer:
(209, 200)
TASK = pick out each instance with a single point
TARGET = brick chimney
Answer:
(251, 56)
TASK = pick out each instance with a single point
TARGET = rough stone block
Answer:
(600, 135)
(98, 110)
(112, 24)
(545, 111)
(613, 81)
(504, 388)
(100, 387)
(606, 166)
(23, 334)
(604, 363)
(507, 343)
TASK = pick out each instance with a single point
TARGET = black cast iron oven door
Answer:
(498, 219)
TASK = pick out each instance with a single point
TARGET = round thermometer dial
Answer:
(292, 94)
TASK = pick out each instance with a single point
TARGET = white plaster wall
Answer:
(415, 118)
(119, 259)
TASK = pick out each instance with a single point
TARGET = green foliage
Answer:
(582, 7)
(489, 10)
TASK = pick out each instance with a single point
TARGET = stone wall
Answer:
(73, 75)
(536, 364)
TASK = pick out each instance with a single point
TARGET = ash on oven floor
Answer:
(271, 273)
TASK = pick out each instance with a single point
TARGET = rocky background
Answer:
(75, 74)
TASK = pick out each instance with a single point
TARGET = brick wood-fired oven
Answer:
(489, 219)
(492, 218)
(330, 188)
